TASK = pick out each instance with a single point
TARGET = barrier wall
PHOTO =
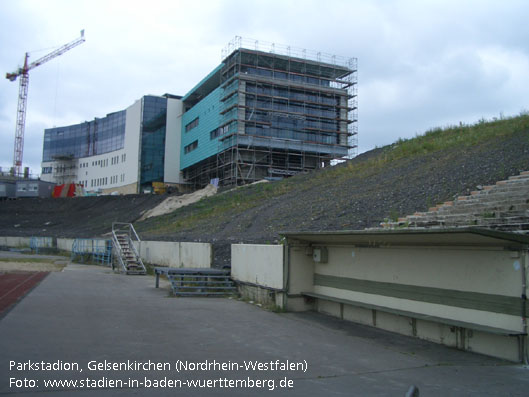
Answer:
(258, 272)
(407, 279)
(161, 253)
(65, 244)
(176, 254)
(14, 242)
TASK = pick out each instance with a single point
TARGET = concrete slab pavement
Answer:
(86, 315)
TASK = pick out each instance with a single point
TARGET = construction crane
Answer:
(23, 72)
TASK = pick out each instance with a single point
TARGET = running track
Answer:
(14, 286)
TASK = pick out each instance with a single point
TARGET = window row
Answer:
(87, 139)
(101, 163)
(218, 132)
(191, 125)
(284, 105)
(192, 146)
(99, 182)
(30, 187)
(284, 120)
(264, 130)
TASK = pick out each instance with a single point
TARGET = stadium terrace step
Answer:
(503, 206)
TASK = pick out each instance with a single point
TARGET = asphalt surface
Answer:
(85, 316)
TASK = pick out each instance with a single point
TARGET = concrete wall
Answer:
(258, 264)
(65, 244)
(259, 273)
(300, 269)
(14, 242)
(31, 188)
(161, 253)
(476, 285)
(7, 189)
(420, 271)
(176, 254)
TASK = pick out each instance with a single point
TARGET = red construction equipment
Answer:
(68, 190)
(23, 72)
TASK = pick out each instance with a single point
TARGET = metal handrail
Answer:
(117, 245)
(134, 231)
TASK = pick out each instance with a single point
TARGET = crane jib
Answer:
(22, 96)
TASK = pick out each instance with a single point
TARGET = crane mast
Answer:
(23, 73)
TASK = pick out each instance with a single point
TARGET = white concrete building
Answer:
(123, 152)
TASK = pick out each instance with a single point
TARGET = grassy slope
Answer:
(394, 180)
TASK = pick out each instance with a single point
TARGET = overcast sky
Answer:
(421, 64)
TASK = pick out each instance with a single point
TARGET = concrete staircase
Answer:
(125, 256)
(503, 206)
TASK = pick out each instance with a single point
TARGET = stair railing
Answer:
(117, 246)
(132, 237)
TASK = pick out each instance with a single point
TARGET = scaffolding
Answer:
(283, 111)
(64, 169)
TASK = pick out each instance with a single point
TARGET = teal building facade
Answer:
(268, 115)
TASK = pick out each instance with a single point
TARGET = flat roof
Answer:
(344, 70)
(467, 236)
(204, 87)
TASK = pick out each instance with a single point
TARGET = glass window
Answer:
(192, 146)
(191, 125)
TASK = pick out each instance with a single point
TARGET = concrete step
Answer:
(503, 203)
(496, 196)
(519, 203)
(481, 208)
(469, 217)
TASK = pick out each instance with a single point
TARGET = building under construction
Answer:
(269, 112)
(266, 112)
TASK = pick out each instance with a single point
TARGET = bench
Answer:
(413, 315)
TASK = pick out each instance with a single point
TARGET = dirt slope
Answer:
(71, 217)
(333, 200)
